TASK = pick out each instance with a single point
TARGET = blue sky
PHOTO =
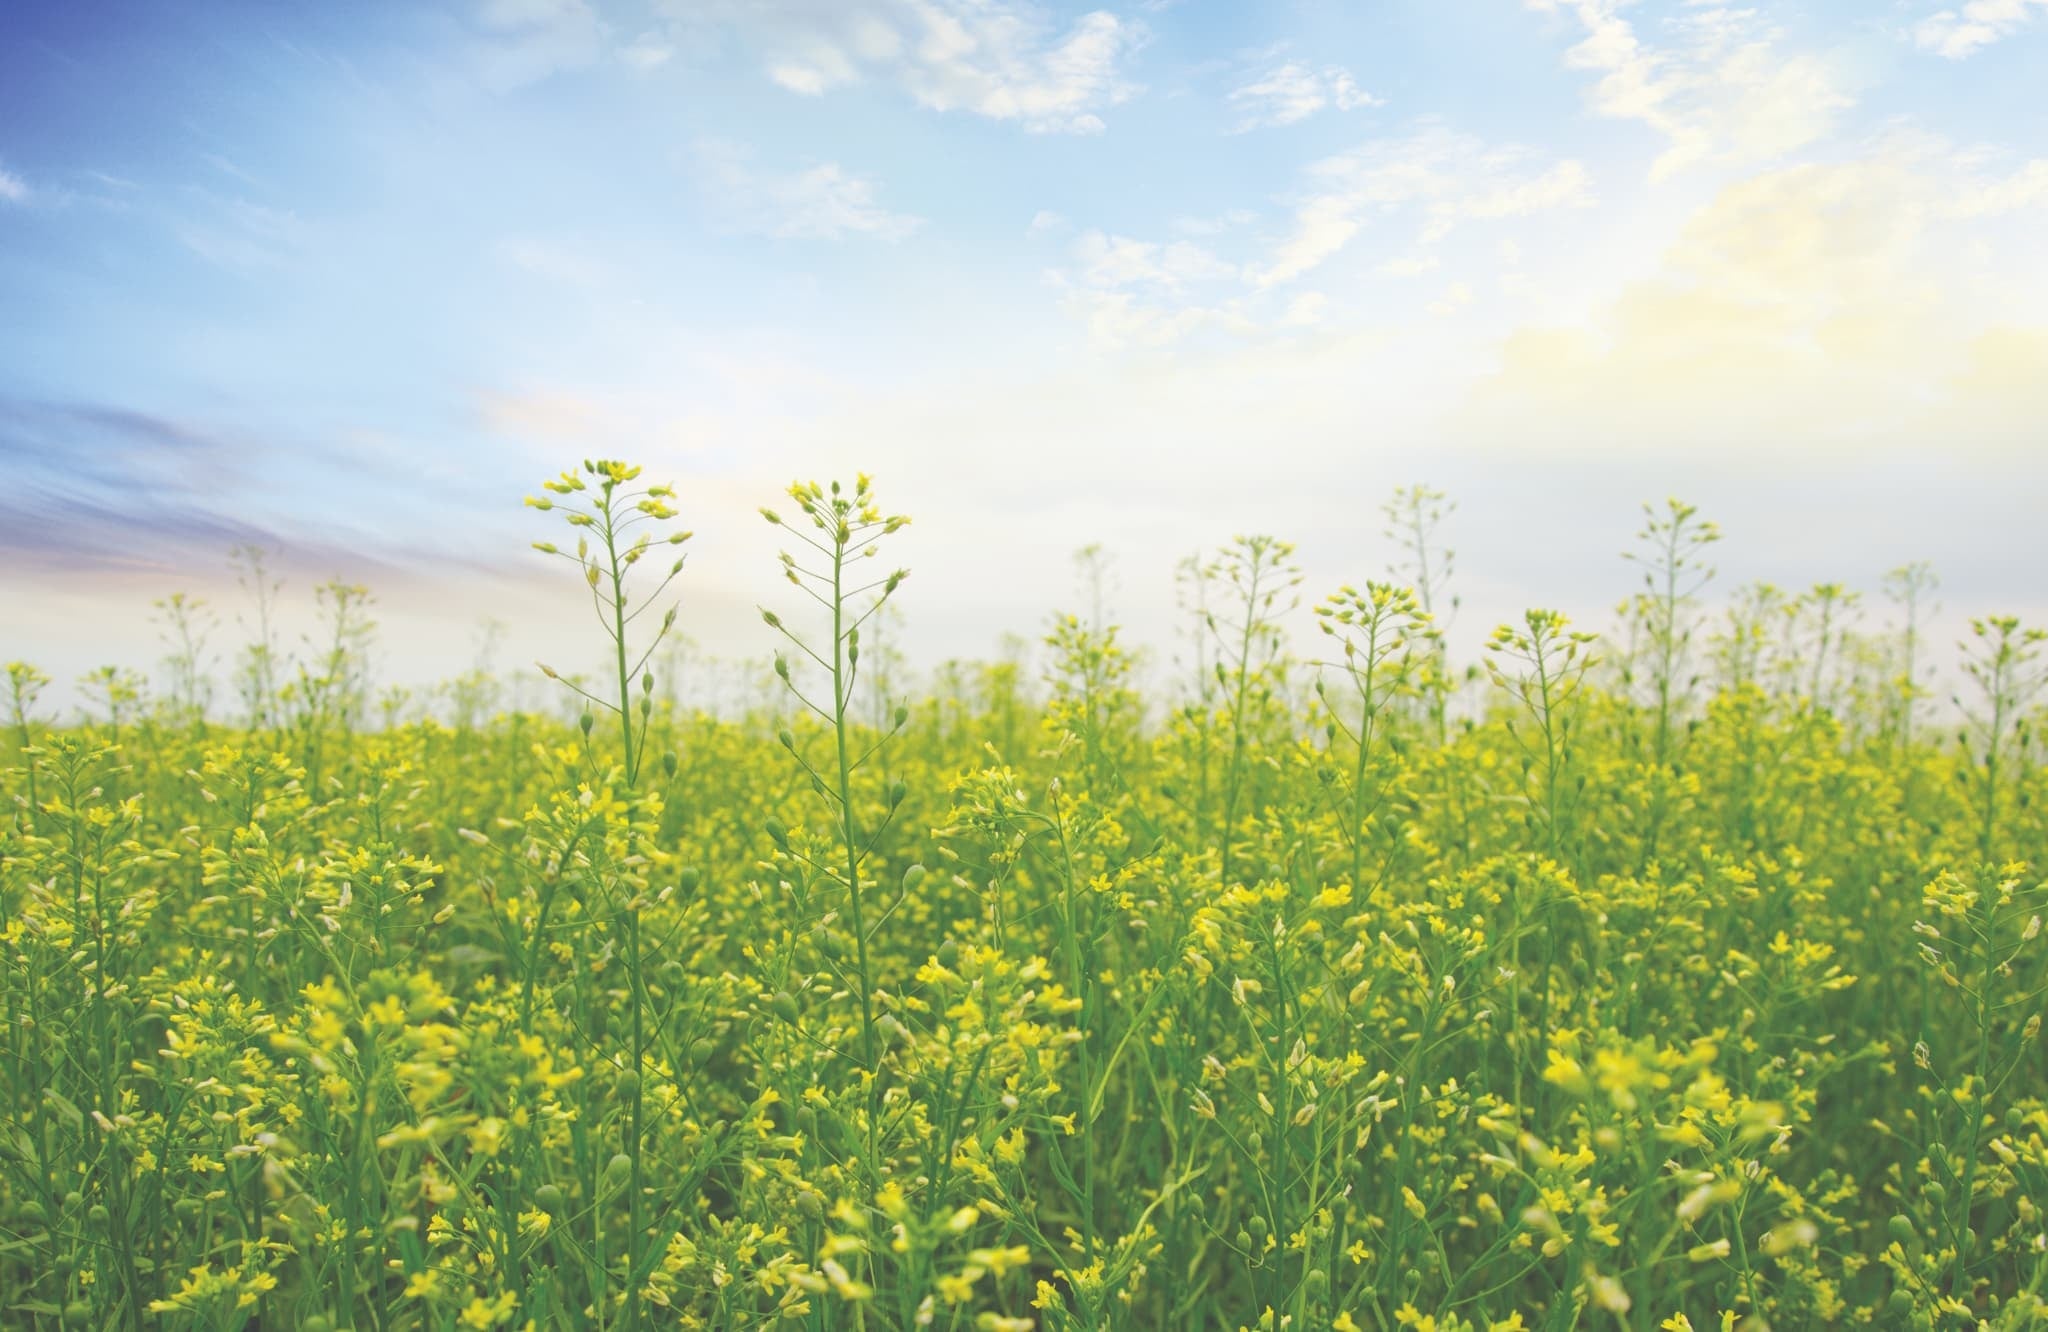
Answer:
(347, 281)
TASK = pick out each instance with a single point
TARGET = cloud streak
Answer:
(1289, 93)
(1719, 87)
(822, 201)
(1961, 33)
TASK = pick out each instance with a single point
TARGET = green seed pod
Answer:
(317, 1323)
(912, 877)
(1256, 1141)
(1935, 1192)
(1901, 1228)
(691, 876)
(702, 1049)
(778, 831)
(629, 1084)
(787, 737)
(1243, 1238)
(811, 1206)
(32, 1213)
(98, 1214)
(187, 1209)
(586, 721)
(618, 1169)
(902, 714)
(1411, 1280)
(1899, 1305)
(549, 1198)
(949, 954)
(668, 765)
(1257, 1225)
(73, 1201)
(78, 1314)
(897, 790)
(783, 1005)
(1316, 1283)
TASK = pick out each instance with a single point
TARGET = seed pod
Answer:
(777, 830)
(783, 1005)
(586, 721)
(618, 1169)
(548, 1197)
(1901, 1229)
(701, 1050)
(668, 765)
(949, 954)
(912, 877)
(629, 1084)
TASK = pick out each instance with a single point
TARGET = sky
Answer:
(347, 282)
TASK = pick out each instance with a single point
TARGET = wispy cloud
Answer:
(562, 264)
(13, 189)
(1287, 93)
(1441, 178)
(1719, 85)
(822, 201)
(240, 235)
(1957, 33)
(525, 41)
(1004, 59)
(1119, 261)
(1812, 305)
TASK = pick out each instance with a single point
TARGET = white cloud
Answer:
(1118, 261)
(1214, 226)
(647, 51)
(1045, 220)
(555, 262)
(1444, 178)
(1137, 293)
(1408, 266)
(1842, 303)
(1007, 60)
(1455, 298)
(1293, 92)
(1721, 89)
(526, 41)
(818, 202)
(12, 187)
(1978, 24)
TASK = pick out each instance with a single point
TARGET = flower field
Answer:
(1689, 976)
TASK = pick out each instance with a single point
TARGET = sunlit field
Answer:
(1684, 976)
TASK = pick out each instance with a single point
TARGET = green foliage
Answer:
(1686, 981)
